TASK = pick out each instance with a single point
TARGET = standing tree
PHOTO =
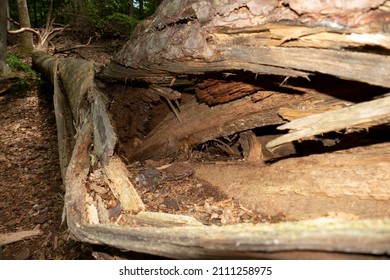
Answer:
(131, 8)
(141, 9)
(26, 39)
(3, 33)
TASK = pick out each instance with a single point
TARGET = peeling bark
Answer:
(187, 38)
(191, 37)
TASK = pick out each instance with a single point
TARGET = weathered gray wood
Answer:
(77, 80)
(244, 240)
(104, 136)
(65, 127)
(89, 116)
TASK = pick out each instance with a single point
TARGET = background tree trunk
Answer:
(3, 33)
(131, 8)
(26, 39)
(141, 9)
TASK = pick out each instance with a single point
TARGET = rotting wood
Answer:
(245, 240)
(178, 237)
(120, 184)
(362, 115)
(214, 92)
(251, 147)
(201, 123)
(89, 117)
(7, 238)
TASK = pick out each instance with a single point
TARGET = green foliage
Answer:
(107, 17)
(121, 23)
(151, 6)
(14, 62)
(24, 82)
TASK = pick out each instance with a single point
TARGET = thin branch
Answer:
(28, 29)
(78, 47)
(49, 20)
(13, 21)
(24, 29)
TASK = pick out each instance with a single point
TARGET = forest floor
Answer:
(31, 196)
(31, 191)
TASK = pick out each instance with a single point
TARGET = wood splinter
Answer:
(365, 114)
(170, 94)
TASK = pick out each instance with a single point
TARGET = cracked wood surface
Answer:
(290, 38)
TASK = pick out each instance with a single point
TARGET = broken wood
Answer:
(362, 115)
(82, 105)
(201, 123)
(43, 37)
(7, 238)
(187, 38)
(219, 36)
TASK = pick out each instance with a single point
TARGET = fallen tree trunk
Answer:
(301, 204)
(245, 40)
(81, 115)
(264, 38)
(172, 233)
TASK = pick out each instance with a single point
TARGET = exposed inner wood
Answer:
(362, 115)
(180, 150)
(302, 188)
(220, 91)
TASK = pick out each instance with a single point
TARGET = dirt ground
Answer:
(30, 194)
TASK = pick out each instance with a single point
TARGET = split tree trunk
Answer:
(179, 236)
(3, 34)
(192, 37)
(293, 39)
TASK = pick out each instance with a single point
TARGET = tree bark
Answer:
(178, 44)
(3, 34)
(26, 38)
(217, 36)
(141, 9)
(180, 236)
(131, 8)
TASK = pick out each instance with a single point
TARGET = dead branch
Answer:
(13, 21)
(44, 36)
(77, 47)
(25, 29)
